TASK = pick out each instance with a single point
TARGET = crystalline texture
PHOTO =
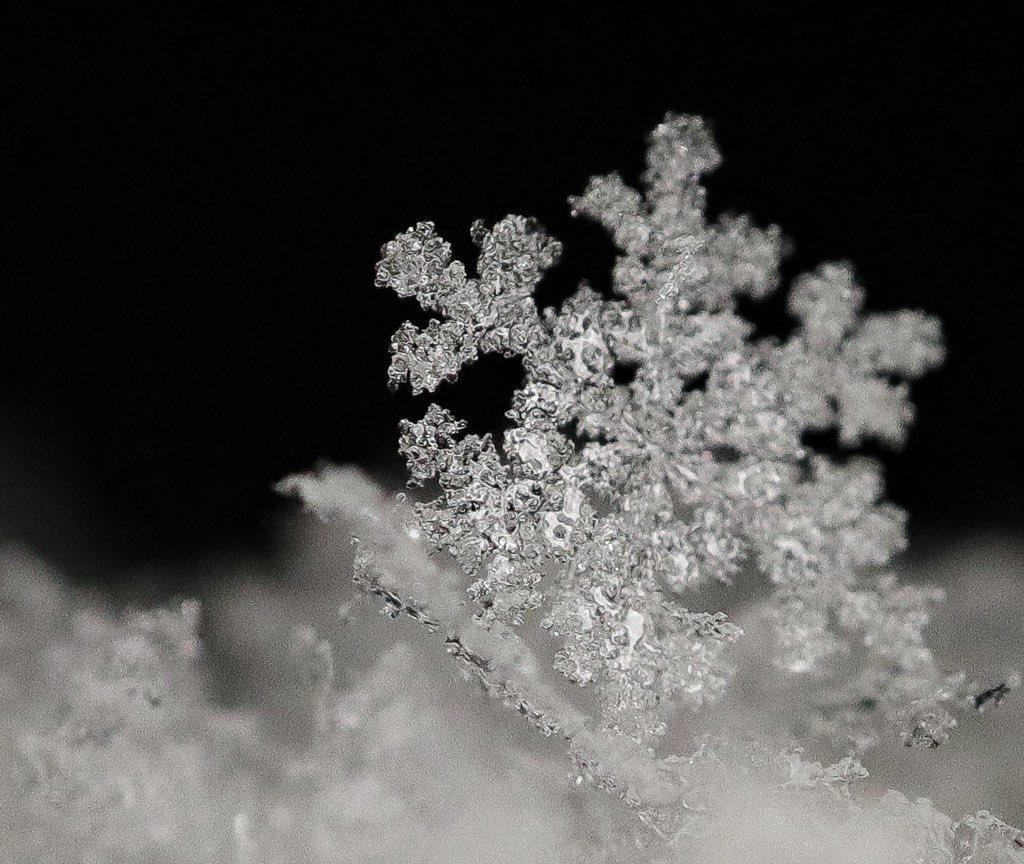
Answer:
(605, 499)
(612, 499)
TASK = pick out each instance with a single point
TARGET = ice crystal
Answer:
(984, 839)
(613, 499)
(606, 500)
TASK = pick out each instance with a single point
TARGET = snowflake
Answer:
(606, 501)
(612, 500)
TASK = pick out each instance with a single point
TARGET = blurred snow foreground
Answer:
(657, 452)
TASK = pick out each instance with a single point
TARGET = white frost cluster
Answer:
(595, 518)
(657, 446)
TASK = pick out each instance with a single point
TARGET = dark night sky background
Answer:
(191, 212)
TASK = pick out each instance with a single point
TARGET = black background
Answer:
(192, 209)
